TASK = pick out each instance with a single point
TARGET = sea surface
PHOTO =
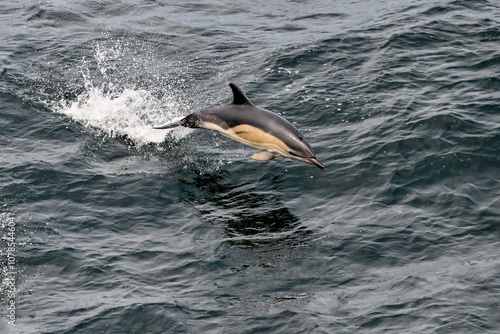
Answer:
(110, 226)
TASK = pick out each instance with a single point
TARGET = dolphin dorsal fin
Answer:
(239, 96)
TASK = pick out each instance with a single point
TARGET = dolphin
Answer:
(252, 126)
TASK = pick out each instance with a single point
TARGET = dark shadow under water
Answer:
(254, 215)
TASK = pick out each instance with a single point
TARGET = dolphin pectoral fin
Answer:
(263, 156)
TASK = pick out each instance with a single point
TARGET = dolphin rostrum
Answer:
(253, 126)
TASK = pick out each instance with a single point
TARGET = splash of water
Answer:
(117, 111)
(131, 113)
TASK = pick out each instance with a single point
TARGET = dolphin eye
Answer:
(295, 155)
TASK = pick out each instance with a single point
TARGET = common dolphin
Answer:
(253, 126)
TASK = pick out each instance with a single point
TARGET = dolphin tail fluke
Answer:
(168, 125)
(190, 121)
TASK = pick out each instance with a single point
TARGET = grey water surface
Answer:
(109, 226)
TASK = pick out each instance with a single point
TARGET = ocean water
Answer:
(109, 226)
